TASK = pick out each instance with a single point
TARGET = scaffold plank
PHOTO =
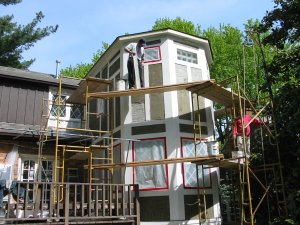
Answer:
(157, 162)
(219, 94)
(150, 90)
(220, 162)
(93, 84)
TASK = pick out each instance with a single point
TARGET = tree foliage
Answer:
(178, 24)
(15, 39)
(284, 71)
(82, 69)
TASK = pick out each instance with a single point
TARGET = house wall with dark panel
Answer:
(21, 102)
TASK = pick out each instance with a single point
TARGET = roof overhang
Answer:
(36, 77)
(184, 38)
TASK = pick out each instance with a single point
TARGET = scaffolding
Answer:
(234, 103)
(242, 201)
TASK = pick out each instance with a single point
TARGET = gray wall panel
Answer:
(187, 128)
(138, 108)
(201, 107)
(148, 129)
(196, 74)
(157, 105)
(155, 208)
(184, 109)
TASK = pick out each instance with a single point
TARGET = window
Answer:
(29, 174)
(46, 170)
(113, 68)
(76, 112)
(152, 54)
(150, 177)
(29, 169)
(189, 169)
(187, 56)
(104, 72)
(54, 108)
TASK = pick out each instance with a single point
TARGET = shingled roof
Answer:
(36, 77)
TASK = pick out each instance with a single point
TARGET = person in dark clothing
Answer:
(138, 50)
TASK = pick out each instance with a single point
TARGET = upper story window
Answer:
(54, 108)
(76, 112)
(187, 56)
(152, 54)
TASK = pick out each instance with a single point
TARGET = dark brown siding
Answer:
(21, 102)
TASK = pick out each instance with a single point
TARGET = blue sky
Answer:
(84, 25)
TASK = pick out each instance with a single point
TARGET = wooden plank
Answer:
(218, 94)
(67, 204)
(38, 108)
(157, 162)
(13, 105)
(93, 84)
(222, 112)
(222, 163)
(30, 101)
(21, 106)
(149, 90)
(4, 102)
(206, 88)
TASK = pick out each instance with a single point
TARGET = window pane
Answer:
(25, 174)
(190, 173)
(76, 112)
(187, 56)
(32, 164)
(150, 177)
(54, 108)
(26, 164)
(152, 54)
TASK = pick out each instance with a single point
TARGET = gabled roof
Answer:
(184, 38)
(35, 77)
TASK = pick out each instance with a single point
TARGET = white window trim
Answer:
(23, 157)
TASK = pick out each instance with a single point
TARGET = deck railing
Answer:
(72, 202)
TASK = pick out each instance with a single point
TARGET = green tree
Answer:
(233, 54)
(283, 72)
(15, 39)
(82, 69)
(178, 24)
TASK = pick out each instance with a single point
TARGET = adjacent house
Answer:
(27, 105)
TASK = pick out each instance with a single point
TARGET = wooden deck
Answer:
(69, 203)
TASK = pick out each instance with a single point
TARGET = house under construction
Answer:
(96, 152)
